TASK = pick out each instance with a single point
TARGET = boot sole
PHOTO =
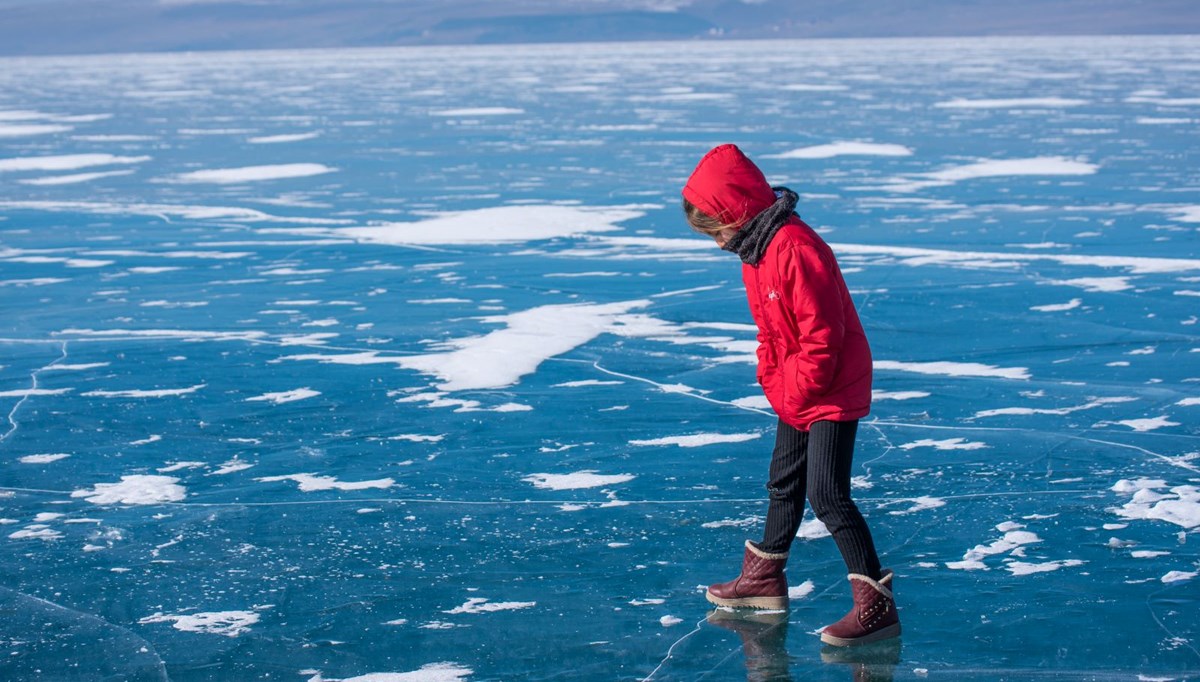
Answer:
(748, 602)
(879, 635)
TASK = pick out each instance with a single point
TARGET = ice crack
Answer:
(33, 389)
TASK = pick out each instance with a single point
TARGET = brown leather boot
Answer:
(873, 617)
(761, 585)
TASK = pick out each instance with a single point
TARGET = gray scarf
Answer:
(750, 242)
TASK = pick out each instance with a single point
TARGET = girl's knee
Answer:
(783, 492)
(830, 503)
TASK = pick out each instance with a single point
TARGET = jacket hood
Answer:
(728, 186)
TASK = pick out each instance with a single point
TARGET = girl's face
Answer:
(723, 236)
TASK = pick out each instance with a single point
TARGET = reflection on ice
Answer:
(763, 635)
(874, 662)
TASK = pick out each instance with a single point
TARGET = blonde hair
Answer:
(702, 222)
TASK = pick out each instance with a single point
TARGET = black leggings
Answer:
(818, 460)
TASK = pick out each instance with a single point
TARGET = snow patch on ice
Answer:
(33, 282)
(918, 504)
(948, 444)
(812, 87)
(1098, 402)
(277, 139)
(36, 532)
(436, 399)
(802, 590)
(30, 129)
(759, 402)
(877, 394)
(114, 138)
(594, 273)
(747, 522)
(1096, 284)
(1180, 505)
(478, 111)
(1013, 103)
(495, 225)
(826, 151)
(165, 211)
(1147, 424)
(441, 625)
(311, 482)
(993, 168)
(916, 257)
(698, 439)
(1026, 568)
(42, 459)
(180, 466)
(954, 369)
(482, 605)
(812, 529)
(437, 301)
(576, 480)
(135, 489)
(587, 382)
(1152, 97)
(29, 392)
(529, 338)
(145, 393)
(225, 176)
(647, 602)
(432, 672)
(69, 262)
(1012, 542)
(417, 438)
(1186, 214)
(72, 179)
(226, 623)
(232, 466)
(1179, 576)
(1058, 307)
(78, 367)
(285, 396)
(65, 162)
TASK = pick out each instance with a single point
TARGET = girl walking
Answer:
(814, 366)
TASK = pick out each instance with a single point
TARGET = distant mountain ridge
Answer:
(37, 27)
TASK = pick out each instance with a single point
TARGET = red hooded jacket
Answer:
(813, 359)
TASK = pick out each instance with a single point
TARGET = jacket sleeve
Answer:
(812, 293)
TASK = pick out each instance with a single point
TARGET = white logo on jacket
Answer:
(773, 295)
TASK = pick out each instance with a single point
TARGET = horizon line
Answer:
(651, 41)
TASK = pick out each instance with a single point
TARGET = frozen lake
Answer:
(402, 364)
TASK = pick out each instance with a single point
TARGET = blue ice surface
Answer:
(1040, 510)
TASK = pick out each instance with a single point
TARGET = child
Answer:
(814, 365)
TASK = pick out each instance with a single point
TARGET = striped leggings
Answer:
(817, 463)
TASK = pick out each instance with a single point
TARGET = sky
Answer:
(43, 27)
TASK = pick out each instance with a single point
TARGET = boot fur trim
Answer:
(767, 556)
(878, 585)
(764, 555)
